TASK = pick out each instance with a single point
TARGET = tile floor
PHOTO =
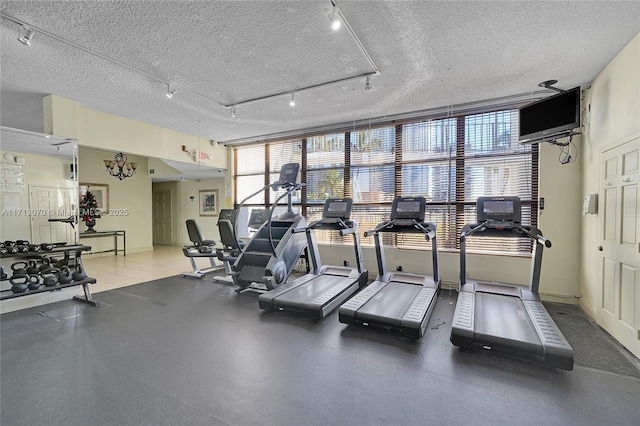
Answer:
(113, 272)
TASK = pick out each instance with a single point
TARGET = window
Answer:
(450, 161)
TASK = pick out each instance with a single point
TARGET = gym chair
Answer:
(199, 248)
(231, 249)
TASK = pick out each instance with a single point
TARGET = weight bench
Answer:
(199, 248)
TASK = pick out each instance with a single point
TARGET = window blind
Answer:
(448, 160)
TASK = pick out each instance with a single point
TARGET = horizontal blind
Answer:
(280, 154)
(450, 161)
(325, 162)
(495, 164)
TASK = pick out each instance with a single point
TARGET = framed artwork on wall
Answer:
(100, 191)
(208, 201)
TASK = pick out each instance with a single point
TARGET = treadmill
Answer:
(507, 318)
(396, 300)
(324, 288)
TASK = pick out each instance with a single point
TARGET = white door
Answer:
(162, 217)
(51, 203)
(619, 308)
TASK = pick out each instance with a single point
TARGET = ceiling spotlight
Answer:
(292, 102)
(170, 92)
(233, 112)
(367, 85)
(335, 22)
(26, 38)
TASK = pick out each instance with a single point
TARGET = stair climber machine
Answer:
(396, 300)
(270, 256)
(507, 318)
(322, 290)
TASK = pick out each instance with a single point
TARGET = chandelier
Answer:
(125, 169)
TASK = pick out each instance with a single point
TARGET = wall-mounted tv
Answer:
(554, 116)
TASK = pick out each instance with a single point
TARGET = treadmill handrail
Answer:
(516, 231)
(378, 228)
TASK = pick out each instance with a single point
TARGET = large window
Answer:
(450, 161)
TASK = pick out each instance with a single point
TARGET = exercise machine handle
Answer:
(538, 237)
(429, 234)
(472, 230)
(377, 229)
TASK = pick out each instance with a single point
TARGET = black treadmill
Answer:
(397, 300)
(325, 287)
(507, 318)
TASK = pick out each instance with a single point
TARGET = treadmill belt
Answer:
(503, 321)
(311, 290)
(389, 305)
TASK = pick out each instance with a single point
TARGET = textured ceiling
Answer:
(430, 54)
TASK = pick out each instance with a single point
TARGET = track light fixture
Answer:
(26, 38)
(367, 85)
(548, 84)
(170, 92)
(335, 21)
(233, 112)
(292, 102)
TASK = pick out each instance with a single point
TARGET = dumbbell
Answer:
(33, 267)
(21, 282)
(19, 268)
(46, 264)
(65, 276)
(11, 247)
(46, 246)
(34, 247)
(79, 274)
(50, 276)
(34, 282)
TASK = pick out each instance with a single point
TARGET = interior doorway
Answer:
(162, 228)
(619, 248)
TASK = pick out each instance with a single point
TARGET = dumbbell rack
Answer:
(70, 252)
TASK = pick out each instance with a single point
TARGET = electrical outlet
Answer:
(345, 263)
(399, 268)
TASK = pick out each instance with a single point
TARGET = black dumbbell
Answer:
(34, 282)
(16, 285)
(19, 268)
(50, 276)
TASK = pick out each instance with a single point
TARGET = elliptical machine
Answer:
(270, 256)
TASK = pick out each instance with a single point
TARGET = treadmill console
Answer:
(337, 208)
(408, 209)
(288, 175)
(257, 218)
(499, 212)
(228, 214)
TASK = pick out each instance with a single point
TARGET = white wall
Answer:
(612, 117)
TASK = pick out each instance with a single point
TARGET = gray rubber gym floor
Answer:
(182, 351)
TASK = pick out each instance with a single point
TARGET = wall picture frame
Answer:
(208, 202)
(100, 191)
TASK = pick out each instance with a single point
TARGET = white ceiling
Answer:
(430, 54)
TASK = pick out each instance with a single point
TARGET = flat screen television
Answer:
(550, 117)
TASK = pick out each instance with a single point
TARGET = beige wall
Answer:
(184, 208)
(612, 117)
(64, 117)
(129, 201)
